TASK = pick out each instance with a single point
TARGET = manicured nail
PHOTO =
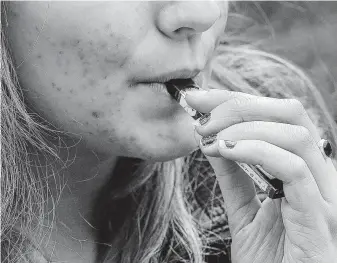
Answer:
(208, 140)
(227, 144)
(205, 118)
(202, 120)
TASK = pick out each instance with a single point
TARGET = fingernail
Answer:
(196, 92)
(227, 144)
(202, 120)
(208, 140)
(205, 118)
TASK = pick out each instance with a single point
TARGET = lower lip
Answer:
(157, 87)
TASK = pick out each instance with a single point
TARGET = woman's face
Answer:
(81, 65)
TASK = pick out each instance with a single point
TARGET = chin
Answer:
(181, 142)
(157, 151)
(165, 142)
(167, 150)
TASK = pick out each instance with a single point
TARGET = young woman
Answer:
(96, 154)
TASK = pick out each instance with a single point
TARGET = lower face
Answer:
(78, 63)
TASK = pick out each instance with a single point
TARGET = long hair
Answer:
(143, 214)
(23, 192)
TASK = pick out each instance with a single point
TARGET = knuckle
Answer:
(241, 107)
(332, 222)
(296, 107)
(299, 167)
(251, 126)
(264, 150)
(303, 136)
(241, 102)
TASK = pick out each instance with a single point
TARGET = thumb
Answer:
(238, 190)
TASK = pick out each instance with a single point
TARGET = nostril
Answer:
(182, 29)
(184, 32)
(184, 18)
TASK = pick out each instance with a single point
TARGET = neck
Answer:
(71, 194)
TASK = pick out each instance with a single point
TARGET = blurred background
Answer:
(303, 32)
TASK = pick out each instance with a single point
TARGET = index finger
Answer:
(207, 101)
(242, 107)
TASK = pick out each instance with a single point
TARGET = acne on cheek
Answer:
(108, 93)
(97, 114)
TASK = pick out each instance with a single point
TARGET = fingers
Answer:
(228, 108)
(295, 139)
(297, 134)
(300, 188)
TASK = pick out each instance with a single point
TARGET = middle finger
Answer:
(295, 139)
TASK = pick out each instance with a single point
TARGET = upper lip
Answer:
(177, 74)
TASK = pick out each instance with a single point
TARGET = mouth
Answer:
(171, 83)
(177, 87)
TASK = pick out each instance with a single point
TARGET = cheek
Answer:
(76, 78)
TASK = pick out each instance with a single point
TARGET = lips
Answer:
(163, 77)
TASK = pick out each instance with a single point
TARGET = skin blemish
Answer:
(132, 139)
(108, 93)
(85, 72)
(75, 43)
(58, 88)
(81, 54)
(110, 61)
(39, 56)
(97, 114)
(103, 45)
(92, 83)
(104, 133)
(107, 27)
(53, 85)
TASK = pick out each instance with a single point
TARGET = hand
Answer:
(278, 135)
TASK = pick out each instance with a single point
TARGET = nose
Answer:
(180, 20)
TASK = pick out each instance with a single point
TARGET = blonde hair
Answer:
(160, 214)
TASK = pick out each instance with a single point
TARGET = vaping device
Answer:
(272, 186)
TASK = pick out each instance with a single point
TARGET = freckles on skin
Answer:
(84, 89)
(97, 114)
(82, 60)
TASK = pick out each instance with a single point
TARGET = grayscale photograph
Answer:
(168, 131)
